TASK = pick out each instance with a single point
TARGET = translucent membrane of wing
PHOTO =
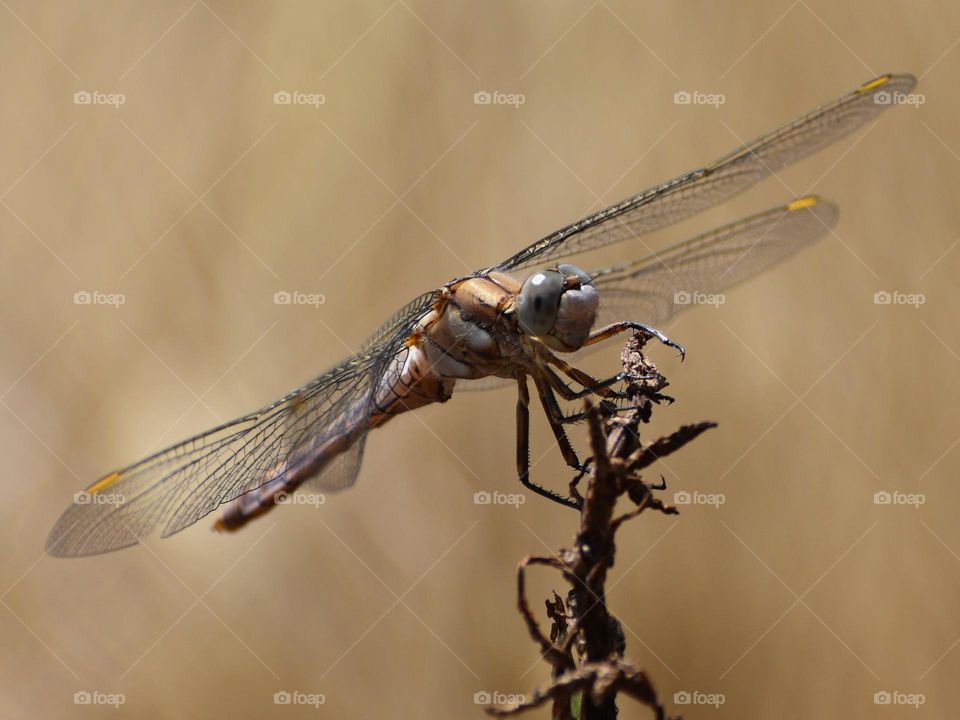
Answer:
(302, 433)
(181, 484)
(342, 471)
(695, 191)
(654, 288)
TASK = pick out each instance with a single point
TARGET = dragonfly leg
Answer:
(523, 448)
(555, 419)
(591, 386)
(596, 388)
(577, 417)
(616, 328)
(581, 378)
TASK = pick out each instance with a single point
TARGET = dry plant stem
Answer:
(560, 658)
(586, 624)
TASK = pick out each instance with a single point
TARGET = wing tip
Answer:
(73, 535)
(904, 82)
(804, 202)
(58, 545)
(104, 482)
(827, 210)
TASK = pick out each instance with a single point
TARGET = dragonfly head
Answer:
(558, 307)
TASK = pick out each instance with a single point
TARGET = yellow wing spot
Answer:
(803, 202)
(874, 84)
(104, 482)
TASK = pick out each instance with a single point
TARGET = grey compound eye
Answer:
(567, 270)
(539, 300)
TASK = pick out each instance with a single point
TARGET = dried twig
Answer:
(586, 687)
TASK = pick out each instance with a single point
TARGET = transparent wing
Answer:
(695, 191)
(341, 473)
(326, 419)
(689, 273)
(684, 275)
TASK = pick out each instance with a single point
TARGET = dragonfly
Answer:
(514, 321)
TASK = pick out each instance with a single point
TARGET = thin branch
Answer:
(587, 689)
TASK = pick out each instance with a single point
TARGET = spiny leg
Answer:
(568, 394)
(616, 328)
(579, 376)
(523, 447)
(582, 415)
(555, 418)
(591, 386)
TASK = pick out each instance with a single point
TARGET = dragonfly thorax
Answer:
(558, 307)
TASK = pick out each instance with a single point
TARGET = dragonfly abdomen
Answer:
(410, 381)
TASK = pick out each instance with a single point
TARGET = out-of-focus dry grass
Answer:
(200, 198)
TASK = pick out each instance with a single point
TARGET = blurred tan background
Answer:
(198, 198)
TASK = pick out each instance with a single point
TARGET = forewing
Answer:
(402, 321)
(689, 273)
(176, 487)
(656, 287)
(695, 191)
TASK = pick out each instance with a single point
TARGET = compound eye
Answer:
(566, 270)
(538, 302)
